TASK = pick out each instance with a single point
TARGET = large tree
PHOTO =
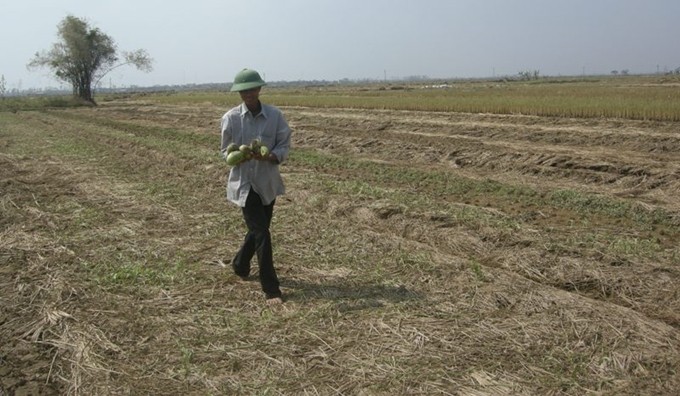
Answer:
(83, 55)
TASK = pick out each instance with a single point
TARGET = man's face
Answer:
(250, 97)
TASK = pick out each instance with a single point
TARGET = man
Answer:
(255, 183)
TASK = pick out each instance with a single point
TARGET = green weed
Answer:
(477, 270)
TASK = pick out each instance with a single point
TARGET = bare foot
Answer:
(275, 301)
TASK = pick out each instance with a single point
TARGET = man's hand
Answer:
(271, 157)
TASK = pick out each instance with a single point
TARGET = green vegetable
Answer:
(232, 147)
(235, 158)
(255, 145)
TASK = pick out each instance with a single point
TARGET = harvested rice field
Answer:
(420, 253)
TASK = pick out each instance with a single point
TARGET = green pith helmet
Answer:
(247, 79)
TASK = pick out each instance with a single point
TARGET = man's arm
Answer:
(279, 153)
(226, 135)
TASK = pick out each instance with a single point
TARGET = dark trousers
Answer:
(258, 240)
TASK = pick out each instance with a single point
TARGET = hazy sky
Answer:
(200, 41)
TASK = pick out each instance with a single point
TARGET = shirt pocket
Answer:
(267, 133)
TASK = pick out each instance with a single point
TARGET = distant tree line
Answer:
(625, 72)
(529, 75)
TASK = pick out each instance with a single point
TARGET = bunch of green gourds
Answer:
(237, 154)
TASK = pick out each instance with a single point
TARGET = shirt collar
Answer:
(244, 110)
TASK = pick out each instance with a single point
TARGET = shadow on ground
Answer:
(349, 296)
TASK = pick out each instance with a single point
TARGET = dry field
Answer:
(421, 253)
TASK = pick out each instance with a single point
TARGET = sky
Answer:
(209, 41)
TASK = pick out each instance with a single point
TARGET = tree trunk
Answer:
(83, 89)
(86, 93)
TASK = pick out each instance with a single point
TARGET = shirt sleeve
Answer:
(226, 134)
(283, 132)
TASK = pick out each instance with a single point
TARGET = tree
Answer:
(3, 86)
(83, 55)
(529, 75)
